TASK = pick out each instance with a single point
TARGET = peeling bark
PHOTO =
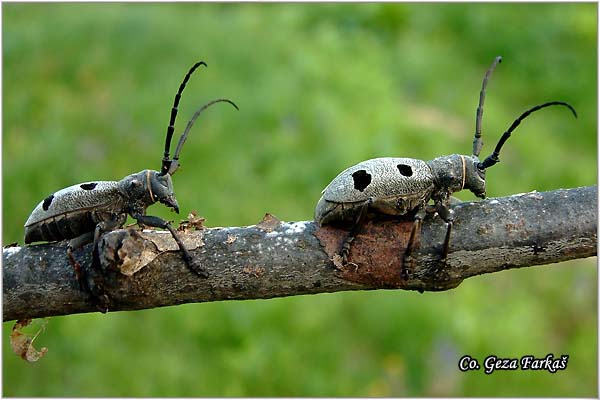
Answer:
(272, 259)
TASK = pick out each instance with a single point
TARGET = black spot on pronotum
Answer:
(361, 180)
(405, 170)
(88, 186)
(47, 202)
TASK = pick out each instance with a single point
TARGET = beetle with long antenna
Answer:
(82, 213)
(404, 186)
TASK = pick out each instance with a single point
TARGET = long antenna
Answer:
(171, 128)
(478, 142)
(493, 158)
(174, 164)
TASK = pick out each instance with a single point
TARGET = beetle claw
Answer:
(197, 268)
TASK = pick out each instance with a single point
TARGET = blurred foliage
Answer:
(87, 90)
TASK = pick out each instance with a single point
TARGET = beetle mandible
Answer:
(82, 213)
(404, 186)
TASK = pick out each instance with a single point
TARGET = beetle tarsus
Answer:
(197, 268)
(345, 252)
(408, 261)
(347, 243)
(447, 241)
(447, 215)
(98, 296)
(77, 268)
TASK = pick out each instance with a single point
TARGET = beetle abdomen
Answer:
(73, 211)
(59, 227)
(331, 212)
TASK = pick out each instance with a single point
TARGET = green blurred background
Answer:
(87, 93)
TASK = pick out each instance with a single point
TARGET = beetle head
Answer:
(146, 188)
(475, 177)
(161, 188)
(457, 172)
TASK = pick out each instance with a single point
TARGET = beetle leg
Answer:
(448, 216)
(91, 285)
(86, 282)
(345, 251)
(157, 222)
(73, 245)
(447, 241)
(407, 258)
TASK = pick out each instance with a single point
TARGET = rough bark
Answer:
(272, 259)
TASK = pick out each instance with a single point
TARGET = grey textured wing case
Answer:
(388, 177)
(82, 196)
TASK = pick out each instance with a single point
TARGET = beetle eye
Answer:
(405, 170)
(362, 179)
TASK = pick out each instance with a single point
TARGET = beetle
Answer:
(403, 187)
(82, 213)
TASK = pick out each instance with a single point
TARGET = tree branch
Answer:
(272, 259)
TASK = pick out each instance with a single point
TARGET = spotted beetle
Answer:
(404, 186)
(82, 213)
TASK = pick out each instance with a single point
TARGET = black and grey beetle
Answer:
(81, 213)
(404, 186)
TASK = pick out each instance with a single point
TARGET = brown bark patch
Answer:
(376, 254)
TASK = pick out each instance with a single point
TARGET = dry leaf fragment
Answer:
(22, 344)
(254, 271)
(230, 239)
(193, 222)
(268, 223)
